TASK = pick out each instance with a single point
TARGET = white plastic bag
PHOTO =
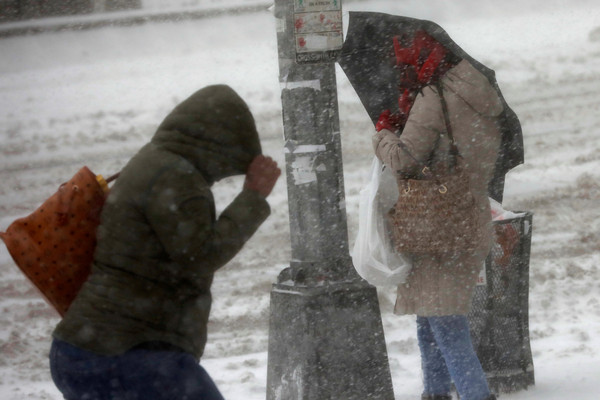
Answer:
(373, 255)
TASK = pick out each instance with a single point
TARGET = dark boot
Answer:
(492, 397)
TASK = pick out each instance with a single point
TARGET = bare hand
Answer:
(262, 175)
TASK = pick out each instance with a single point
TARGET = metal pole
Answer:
(313, 161)
(326, 338)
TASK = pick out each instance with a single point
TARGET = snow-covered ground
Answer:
(94, 97)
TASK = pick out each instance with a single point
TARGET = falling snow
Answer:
(94, 97)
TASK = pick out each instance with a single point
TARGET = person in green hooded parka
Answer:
(138, 327)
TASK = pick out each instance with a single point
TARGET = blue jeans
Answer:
(447, 356)
(138, 374)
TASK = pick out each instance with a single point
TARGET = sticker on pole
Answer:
(317, 30)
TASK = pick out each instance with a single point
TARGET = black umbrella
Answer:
(369, 62)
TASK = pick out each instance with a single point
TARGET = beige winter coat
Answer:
(442, 286)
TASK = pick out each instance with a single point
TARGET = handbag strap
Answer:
(112, 177)
(453, 148)
(453, 151)
(419, 162)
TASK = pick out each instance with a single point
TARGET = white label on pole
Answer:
(280, 24)
(303, 169)
(306, 148)
(313, 84)
(318, 42)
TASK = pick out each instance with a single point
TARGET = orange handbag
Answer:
(54, 245)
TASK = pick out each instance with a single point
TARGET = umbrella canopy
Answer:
(369, 58)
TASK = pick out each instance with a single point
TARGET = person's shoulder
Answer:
(474, 88)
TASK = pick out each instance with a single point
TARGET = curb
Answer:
(61, 24)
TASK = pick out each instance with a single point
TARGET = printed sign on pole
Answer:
(317, 30)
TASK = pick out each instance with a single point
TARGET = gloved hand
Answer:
(389, 121)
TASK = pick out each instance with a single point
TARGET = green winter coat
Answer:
(159, 242)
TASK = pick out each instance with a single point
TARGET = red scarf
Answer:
(422, 62)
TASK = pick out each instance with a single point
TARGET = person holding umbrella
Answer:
(435, 86)
(439, 288)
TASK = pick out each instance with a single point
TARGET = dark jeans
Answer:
(447, 355)
(138, 374)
